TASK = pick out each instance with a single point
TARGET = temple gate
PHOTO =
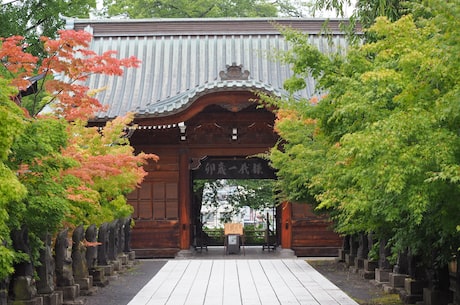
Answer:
(195, 101)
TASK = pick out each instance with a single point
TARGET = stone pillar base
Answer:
(33, 301)
(99, 278)
(349, 260)
(123, 258)
(69, 292)
(359, 263)
(86, 285)
(79, 301)
(24, 288)
(3, 297)
(413, 291)
(131, 255)
(397, 280)
(108, 269)
(382, 275)
(54, 298)
(435, 297)
(342, 254)
(367, 275)
(286, 253)
(116, 265)
(370, 265)
(184, 254)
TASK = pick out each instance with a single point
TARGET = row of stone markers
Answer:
(83, 260)
(406, 277)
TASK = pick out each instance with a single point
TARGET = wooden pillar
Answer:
(184, 199)
(286, 225)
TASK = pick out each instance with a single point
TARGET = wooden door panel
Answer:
(145, 209)
(155, 238)
(312, 234)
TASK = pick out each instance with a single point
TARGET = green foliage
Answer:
(56, 174)
(380, 152)
(365, 12)
(35, 155)
(32, 18)
(12, 124)
(199, 9)
(116, 208)
(235, 194)
(6, 261)
(42, 138)
(256, 194)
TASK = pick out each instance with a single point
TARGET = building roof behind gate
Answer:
(183, 59)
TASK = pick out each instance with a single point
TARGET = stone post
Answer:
(79, 264)
(383, 271)
(353, 250)
(45, 283)
(103, 249)
(127, 244)
(368, 271)
(345, 248)
(362, 251)
(114, 239)
(398, 277)
(414, 284)
(91, 251)
(94, 270)
(121, 256)
(4, 284)
(64, 273)
(24, 290)
(127, 228)
(456, 284)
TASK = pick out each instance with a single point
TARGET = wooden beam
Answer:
(286, 225)
(184, 199)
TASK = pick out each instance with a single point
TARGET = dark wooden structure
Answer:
(194, 100)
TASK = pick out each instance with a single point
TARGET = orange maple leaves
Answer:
(71, 59)
(106, 164)
(67, 64)
(19, 64)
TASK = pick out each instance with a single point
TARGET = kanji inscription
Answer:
(242, 168)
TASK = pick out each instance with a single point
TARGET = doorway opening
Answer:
(226, 198)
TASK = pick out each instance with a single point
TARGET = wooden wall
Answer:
(312, 234)
(156, 209)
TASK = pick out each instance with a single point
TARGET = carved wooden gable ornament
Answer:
(234, 72)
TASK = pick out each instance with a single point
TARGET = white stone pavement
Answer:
(240, 282)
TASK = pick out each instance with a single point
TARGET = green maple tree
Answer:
(380, 151)
(48, 152)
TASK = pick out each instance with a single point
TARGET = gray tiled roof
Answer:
(182, 59)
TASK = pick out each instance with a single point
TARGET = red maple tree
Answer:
(107, 167)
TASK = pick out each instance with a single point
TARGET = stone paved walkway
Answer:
(240, 282)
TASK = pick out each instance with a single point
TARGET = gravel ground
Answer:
(126, 285)
(361, 290)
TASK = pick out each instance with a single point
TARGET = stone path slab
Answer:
(240, 282)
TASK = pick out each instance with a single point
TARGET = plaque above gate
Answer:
(233, 168)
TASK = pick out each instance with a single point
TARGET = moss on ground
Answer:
(389, 299)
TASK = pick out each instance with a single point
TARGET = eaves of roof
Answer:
(182, 59)
(204, 26)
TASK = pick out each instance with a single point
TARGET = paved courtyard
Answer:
(239, 281)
